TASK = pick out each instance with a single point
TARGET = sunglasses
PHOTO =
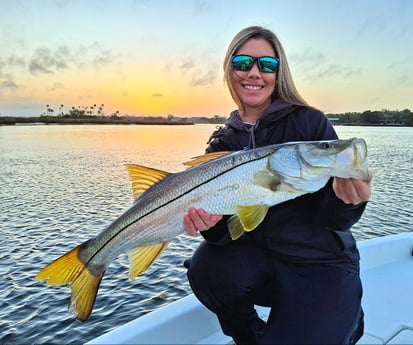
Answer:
(266, 64)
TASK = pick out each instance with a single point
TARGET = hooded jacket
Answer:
(313, 228)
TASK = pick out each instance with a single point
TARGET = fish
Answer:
(241, 184)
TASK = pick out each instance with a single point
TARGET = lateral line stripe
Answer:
(170, 201)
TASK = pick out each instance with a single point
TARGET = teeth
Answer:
(252, 87)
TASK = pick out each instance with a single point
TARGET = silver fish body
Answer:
(243, 184)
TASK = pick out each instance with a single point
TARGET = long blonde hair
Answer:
(285, 88)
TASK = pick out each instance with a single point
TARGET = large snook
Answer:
(243, 184)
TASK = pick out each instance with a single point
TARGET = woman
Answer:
(302, 260)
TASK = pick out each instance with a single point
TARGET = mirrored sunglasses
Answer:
(266, 64)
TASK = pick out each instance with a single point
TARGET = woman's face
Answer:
(253, 87)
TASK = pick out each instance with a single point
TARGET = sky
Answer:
(164, 57)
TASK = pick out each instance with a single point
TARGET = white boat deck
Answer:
(387, 275)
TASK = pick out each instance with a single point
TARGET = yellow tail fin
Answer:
(84, 285)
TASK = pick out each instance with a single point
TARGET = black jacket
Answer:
(313, 228)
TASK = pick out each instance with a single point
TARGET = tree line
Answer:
(93, 110)
(96, 112)
(368, 117)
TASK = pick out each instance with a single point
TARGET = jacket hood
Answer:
(236, 122)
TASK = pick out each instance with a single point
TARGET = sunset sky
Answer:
(160, 57)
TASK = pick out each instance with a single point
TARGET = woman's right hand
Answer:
(199, 220)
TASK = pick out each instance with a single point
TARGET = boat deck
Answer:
(387, 275)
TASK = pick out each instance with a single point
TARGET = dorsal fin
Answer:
(143, 177)
(195, 161)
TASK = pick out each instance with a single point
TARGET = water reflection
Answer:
(60, 185)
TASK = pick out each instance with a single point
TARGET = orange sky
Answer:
(165, 57)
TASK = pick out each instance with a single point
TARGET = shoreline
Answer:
(52, 120)
(17, 121)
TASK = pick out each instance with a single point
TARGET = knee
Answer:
(201, 266)
(210, 268)
(218, 268)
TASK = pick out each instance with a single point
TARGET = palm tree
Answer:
(49, 110)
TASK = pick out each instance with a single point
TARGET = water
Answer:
(60, 185)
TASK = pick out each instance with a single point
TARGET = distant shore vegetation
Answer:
(95, 114)
(374, 118)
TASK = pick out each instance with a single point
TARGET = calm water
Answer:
(61, 185)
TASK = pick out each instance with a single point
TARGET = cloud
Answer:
(57, 86)
(206, 79)
(94, 54)
(46, 61)
(10, 62)
(7, 64)
(308, 58)
(187, 65)
(379, 23)
(8, 84)
(333, 70)
(313, 65)
(402, 79)
(104, 58)
(15, 61)
(201, 7)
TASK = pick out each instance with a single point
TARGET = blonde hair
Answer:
(285, 88)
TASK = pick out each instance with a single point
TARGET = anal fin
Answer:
(142, 257)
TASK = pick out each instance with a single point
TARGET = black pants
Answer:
(311, 304)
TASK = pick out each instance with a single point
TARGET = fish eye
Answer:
(325, 145)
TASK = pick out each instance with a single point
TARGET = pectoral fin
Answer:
(247, 219)
(142, 257)
(267, 179)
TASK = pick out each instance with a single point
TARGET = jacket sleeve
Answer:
(219, 234)
(218, 140)
(335, 214)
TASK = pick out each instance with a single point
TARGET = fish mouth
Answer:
(360, 149)
(360, 159)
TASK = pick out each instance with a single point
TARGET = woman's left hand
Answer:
(352, 191)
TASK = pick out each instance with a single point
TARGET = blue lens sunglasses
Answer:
(266, 64)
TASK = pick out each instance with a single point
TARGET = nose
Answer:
(254, 69)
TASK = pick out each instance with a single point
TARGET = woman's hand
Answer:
(199, 220)
(352, 191)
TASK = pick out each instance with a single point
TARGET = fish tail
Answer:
(84, 284)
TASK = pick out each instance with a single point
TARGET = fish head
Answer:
(342, 158)
(307, 165)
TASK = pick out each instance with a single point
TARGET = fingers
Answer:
(352, 191)
(199, 220)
